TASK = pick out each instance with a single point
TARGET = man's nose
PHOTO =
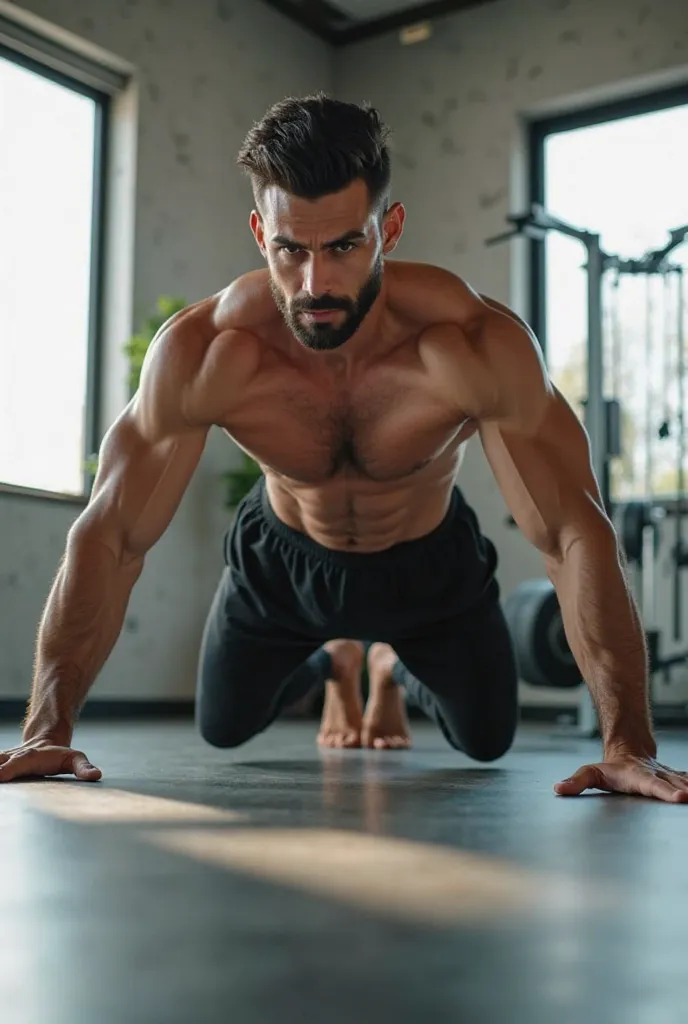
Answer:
(316, 275)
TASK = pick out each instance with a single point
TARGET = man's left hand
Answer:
(639, 776)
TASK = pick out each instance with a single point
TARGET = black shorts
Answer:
(282, 595)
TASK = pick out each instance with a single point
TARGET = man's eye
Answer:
(344, 247)
(291, 249)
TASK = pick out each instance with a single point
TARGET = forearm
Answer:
(82, 620)
(607, 639)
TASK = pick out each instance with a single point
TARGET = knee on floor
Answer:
(486, 747)
(224, 735)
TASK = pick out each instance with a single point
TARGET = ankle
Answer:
(382, 684)
(381, 661)
(346, 657)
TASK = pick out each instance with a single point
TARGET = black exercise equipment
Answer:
(542, 652)
(636, 517)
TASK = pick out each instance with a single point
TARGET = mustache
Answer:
(321, 303)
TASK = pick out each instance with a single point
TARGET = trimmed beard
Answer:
(325, 337)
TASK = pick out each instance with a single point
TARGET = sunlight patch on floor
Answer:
(414, 881)
(85, 802)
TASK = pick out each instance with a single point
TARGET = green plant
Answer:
(238, 481)
(135, 350)
(137, 346)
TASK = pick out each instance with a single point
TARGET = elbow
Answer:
(91, 539)
(595, 534)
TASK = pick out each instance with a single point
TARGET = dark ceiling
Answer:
(348, 21)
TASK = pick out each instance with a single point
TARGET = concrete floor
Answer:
(274, 884)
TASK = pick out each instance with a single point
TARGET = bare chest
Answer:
(383, 428)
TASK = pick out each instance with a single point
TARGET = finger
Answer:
(14, 768)
(24, 748)
(678, 779)
(587, 777)
(83, 769)
(656, 785)
(675, 778)
(663, 790)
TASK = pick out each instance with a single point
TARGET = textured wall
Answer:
(206, 70)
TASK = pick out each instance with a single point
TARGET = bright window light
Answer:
(626, 180)
(46, 210)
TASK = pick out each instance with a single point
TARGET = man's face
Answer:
(325, 258)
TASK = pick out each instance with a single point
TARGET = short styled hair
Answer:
(314, 146)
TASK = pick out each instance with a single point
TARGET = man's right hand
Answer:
(41, 757)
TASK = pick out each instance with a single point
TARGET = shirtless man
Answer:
(356, 383)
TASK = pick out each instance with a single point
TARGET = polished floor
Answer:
(275, 884)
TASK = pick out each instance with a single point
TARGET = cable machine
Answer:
(532, 610)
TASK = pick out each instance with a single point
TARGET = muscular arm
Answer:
(146, 461)
(539, 453)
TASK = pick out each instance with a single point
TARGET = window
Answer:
(52, 132)
(620, 172)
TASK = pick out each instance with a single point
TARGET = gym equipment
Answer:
(636, 516)
(542, 652)
(680, 552)
(639, 531)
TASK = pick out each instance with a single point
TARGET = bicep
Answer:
(148, 455)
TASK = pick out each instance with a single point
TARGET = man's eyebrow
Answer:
(349, 236)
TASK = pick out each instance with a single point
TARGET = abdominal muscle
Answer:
(357, 514)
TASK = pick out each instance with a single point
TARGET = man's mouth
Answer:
(320, 315)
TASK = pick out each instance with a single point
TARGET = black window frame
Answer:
(538, 131)
(93, 397)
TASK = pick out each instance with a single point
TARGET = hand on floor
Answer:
(40, 757)
(638, 776)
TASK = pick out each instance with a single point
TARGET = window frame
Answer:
(538, 130)
(94, 354)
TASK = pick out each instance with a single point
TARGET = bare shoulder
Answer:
(480, 349)
(430, 295)
(246, 305)
(436, 296)
(200, 360)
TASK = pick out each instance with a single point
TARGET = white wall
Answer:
(205, 70)
(457, 105)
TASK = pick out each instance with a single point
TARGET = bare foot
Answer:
(343, 711)
(385, 724)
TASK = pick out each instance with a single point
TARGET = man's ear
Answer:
(392, 227)
(256, 222)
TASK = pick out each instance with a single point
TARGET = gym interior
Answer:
(541, 150)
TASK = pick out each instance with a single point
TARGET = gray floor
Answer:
(274, 884)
